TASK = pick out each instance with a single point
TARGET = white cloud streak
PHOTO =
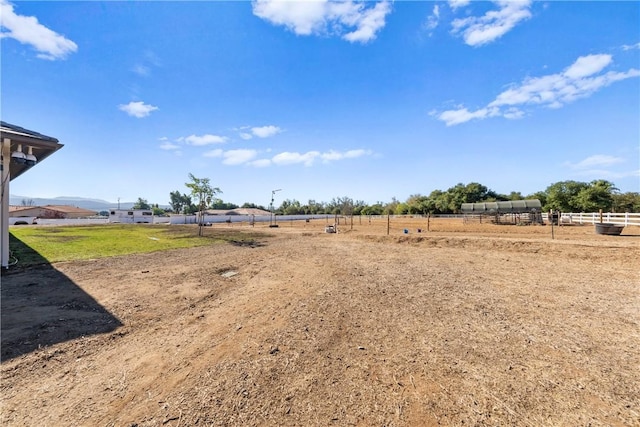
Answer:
(455, 4)
(290, 158)
(353, 20)
(630, 47)
(580, 80)
(248, 157)
(201, 140)
(137, 109)
(27, 30)
(169, 146)
(264, 131)
(480, 30)
(433, 19)
(597, 160)
(238, 157)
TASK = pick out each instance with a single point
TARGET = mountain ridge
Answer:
(79, 202)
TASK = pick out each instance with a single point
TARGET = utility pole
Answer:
(272, 222)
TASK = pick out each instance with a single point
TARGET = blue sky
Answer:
(370, 100)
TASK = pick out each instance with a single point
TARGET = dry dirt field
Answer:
(458, 325)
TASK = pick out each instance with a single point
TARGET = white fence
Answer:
(594, 217)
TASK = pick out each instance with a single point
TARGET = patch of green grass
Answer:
(37, 245)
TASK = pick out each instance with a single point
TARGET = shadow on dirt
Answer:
(41, 306)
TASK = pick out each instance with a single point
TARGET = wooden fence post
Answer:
(388, 223)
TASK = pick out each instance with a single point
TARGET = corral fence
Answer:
(597, 217)
(566, 218)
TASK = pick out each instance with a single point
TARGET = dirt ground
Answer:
(464, 324)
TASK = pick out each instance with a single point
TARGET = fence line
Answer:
(594, 218)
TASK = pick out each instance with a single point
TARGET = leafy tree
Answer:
(203, 193)
(562, 195)
(221, 205)
(401, 209)
(179, 202)
(312, 208)
(158, 211)
(375, 209)
(597, 195)
(340, 205)
(626, 202)
(141, 204)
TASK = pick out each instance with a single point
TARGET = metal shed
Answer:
(507, 212)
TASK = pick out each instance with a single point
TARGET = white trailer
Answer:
(131, 216)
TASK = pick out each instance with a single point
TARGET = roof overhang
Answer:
(42, 146)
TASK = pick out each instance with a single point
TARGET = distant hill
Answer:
(80, 202)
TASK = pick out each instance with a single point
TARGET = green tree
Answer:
(203, 193)
(597, 195)
(562, 196)
(141, 204)
(179, 203)
(375, 209)
(221, 205)
(626, 202)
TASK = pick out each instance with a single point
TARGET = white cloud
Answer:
(200, 140)
(214, 153)
(27, 30)
(137, 109)
(248, 157)
(433, 19)
(353, 20)
(462, 115)
(166, 145)
(308, 158)
(141, 70)
(238, 157)
(264, 131)
(579, 80)
(245, 136)
(632, 46)
(480, 30)
(146, 63)
(587, 65)
(455, 4)
(597, 160)
(288, 158)
(336, 155)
